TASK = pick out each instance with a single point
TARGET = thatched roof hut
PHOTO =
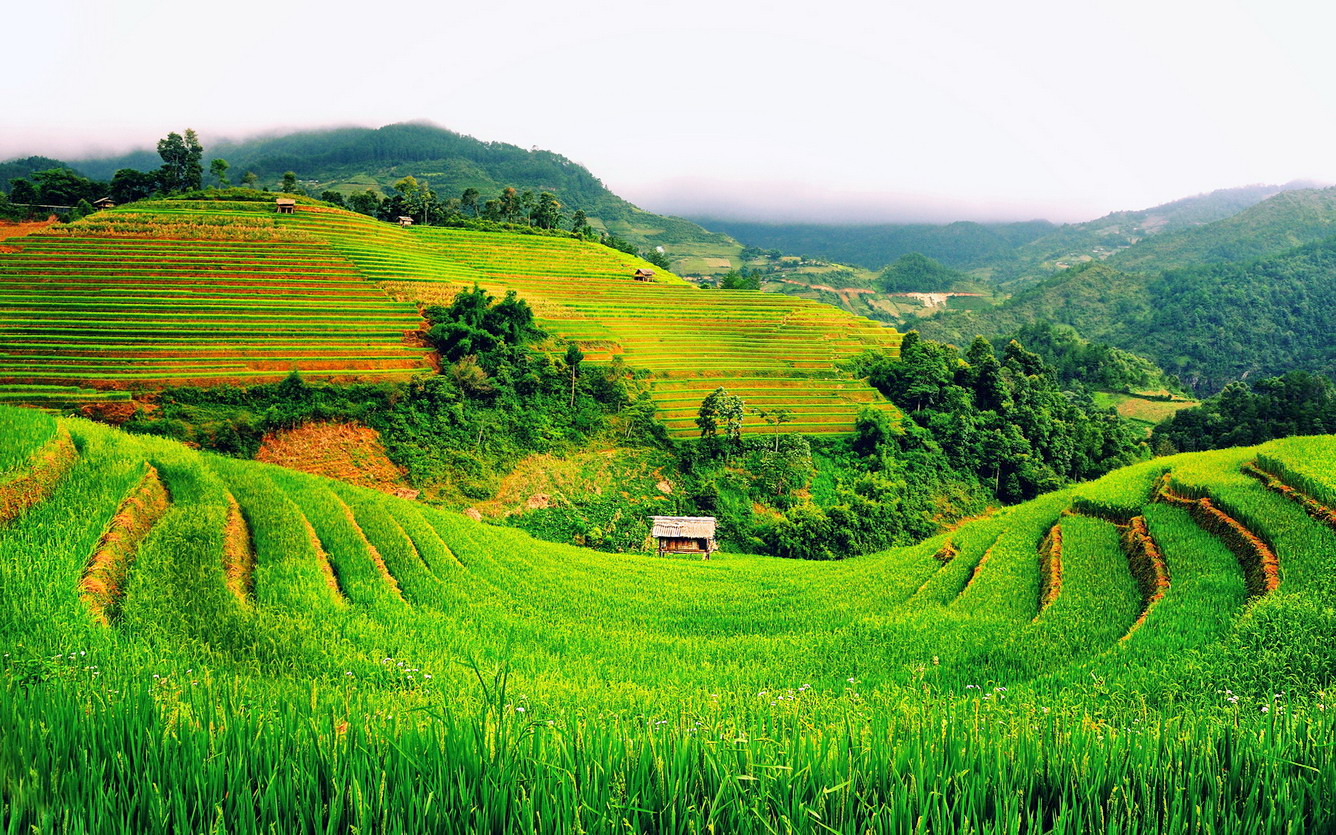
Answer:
(286, 205)
(104, 203)
(685, 535)
(405, 220)
(644, 274)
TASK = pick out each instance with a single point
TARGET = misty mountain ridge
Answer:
(1002, 252)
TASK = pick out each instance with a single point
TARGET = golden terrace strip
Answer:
(182, 292)
(336, 658)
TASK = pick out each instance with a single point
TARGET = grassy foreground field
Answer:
(192, 643)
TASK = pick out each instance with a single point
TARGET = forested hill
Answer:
(1004, 252)
(1283, 221)
(1209, 324)
(351, 160)
(962, 245)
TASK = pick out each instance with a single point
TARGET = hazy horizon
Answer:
(778, 112)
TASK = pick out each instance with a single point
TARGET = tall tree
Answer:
(510, 204)
(218, 168)
(580, 223)
(468, 201)
(720, 410)
(22, 191)
(547, 214)
(129, 185)
(574, 356)
(63, 187)
(182, 168)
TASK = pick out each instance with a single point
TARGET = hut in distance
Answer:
(685, 535)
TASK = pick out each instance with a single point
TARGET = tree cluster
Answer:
(1005, 421)
(744, 279)
(1097, 365)
(1297, 403)
(511, 210)
(976, 429)
(182, 170)
(414, 198)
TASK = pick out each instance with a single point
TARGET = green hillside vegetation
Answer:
(507, 403)
(1282, 222)
(916, 273)
(195, 643)
(1208, 325)
(1079, 362)
(1146, 230)
(350, 161)
(1297, 403)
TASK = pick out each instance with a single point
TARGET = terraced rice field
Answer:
(772, 351)
(175, 292)
(140, 299)
(193, 643)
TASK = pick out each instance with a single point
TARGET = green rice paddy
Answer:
(291, 654)
(180, 292)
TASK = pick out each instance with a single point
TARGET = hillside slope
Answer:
(1209, 325)
(1282, 222)
(233, 622)
(197, 291)
(351, 160)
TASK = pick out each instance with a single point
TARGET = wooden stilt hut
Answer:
(685, 535)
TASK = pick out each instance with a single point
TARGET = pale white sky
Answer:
(802, 110)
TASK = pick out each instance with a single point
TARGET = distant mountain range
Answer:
(1244, 296)
(1001, 252)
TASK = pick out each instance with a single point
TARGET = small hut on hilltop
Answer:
(104, 203)
(643, 274)
(286, 205)
(405, 221)
(685, 535)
